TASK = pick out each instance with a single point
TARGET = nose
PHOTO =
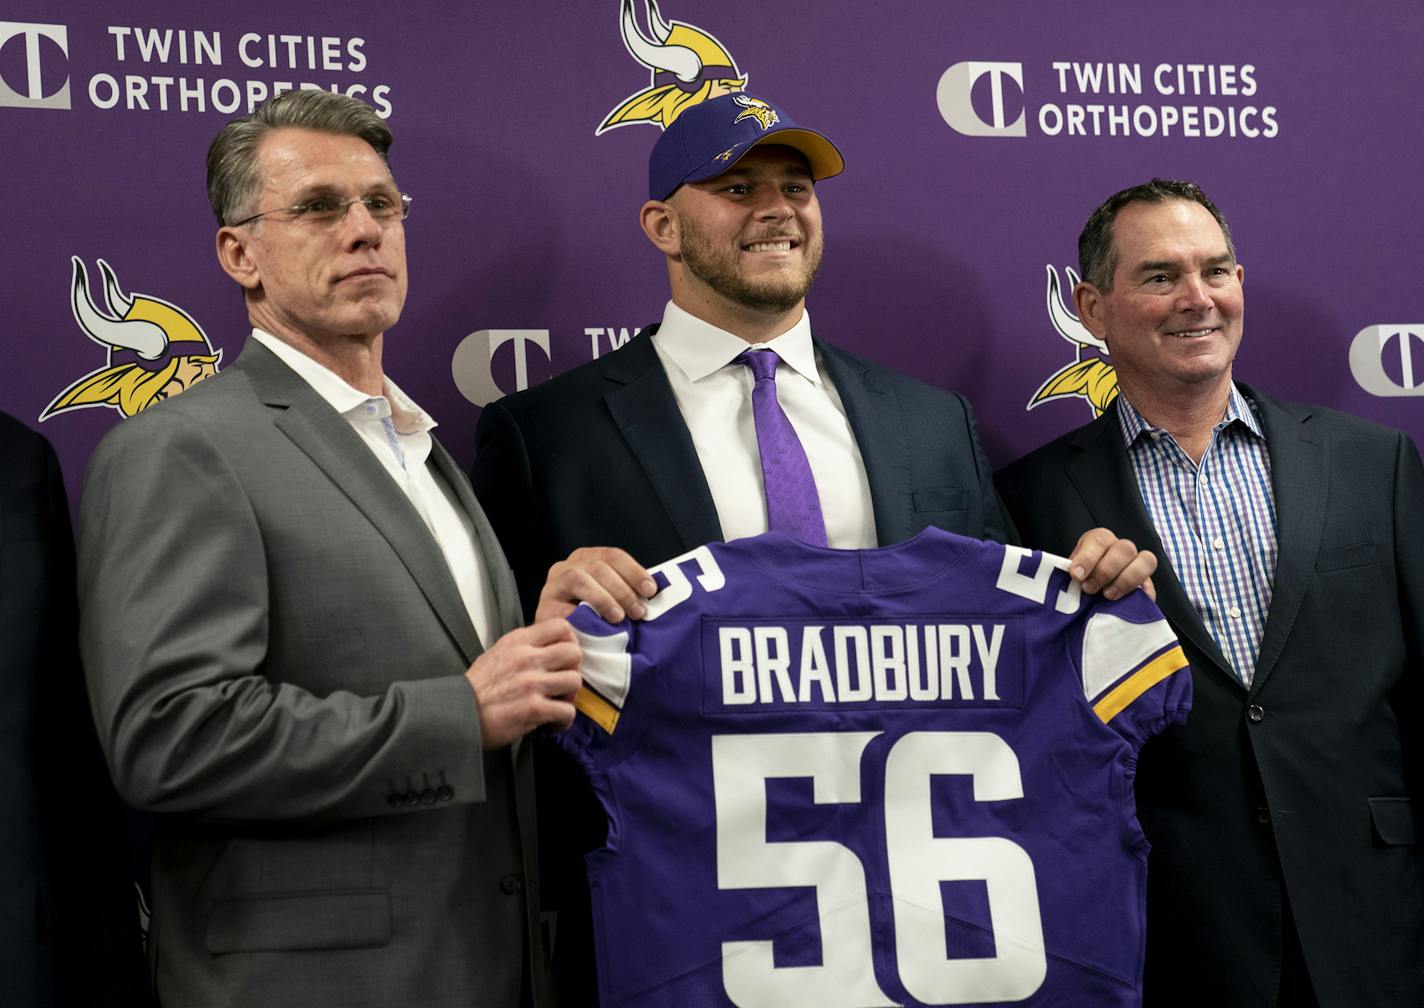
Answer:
(1193, 294)
(774, 205)
(360, 227)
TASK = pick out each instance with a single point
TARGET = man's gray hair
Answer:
(232, 158)
(1097, 256)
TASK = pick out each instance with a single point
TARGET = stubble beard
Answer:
(717, 268)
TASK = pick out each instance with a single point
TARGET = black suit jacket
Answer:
(69, 925)
(1304, 788)
(600, 456)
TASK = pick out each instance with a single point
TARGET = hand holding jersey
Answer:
(526, 679)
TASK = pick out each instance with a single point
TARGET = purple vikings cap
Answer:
(711, 136)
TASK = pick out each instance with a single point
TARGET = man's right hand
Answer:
(527, 679)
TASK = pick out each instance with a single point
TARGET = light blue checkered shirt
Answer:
(1217, 521)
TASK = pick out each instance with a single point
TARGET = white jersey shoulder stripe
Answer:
(1113, 647)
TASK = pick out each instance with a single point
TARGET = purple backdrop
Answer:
(978, 136)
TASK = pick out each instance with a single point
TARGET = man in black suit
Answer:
(1283, 814)
(652, 450)
(69, 926)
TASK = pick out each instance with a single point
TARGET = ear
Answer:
(235, 257)
(1088, 300)
(659, 222)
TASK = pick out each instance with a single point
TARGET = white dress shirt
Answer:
(715, 397)
(398, 433)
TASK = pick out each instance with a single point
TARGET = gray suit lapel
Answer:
(641, 402)
(1103, 478)
(874, 417)
(328, 440)
(1300, 476)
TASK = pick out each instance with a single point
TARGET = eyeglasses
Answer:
(329, 210)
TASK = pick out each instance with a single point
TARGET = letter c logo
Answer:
(1373, 353)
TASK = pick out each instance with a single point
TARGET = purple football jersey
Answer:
(888, 777)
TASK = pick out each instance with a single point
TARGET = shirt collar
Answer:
(1238, 409)
(406, 416)
(699, 348)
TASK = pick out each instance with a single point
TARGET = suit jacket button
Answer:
(412, 797)
(444, 792)
(395, 800)
(1263, 815)
(1255, 713)
(511, 884)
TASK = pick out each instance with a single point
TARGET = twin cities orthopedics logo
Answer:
(1388, 360)
(43, 81)
(166, 69)
(474, 362)
(154, 349)
(1095, 99)
(688, 66)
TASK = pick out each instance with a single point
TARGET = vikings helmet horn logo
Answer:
(1089, 376)
(688, 66)
(155, 348)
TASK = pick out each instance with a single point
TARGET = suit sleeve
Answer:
(69, 914)
(1039, 507)
(504, 484)
(1409, 569)
(175, 609)
(997, 524)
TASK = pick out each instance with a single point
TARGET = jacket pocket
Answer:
(941, 499)
(1393, 820)
(1345, 557)
(300, 921)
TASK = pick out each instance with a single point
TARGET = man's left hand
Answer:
(1104, 563)
(605, 577)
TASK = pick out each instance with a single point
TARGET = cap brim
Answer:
(822, 155)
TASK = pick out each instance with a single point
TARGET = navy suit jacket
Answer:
(69, 923)
(600, 456)
(1306, 787)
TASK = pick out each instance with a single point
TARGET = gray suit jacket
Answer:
(275, 648)
(1306, 788)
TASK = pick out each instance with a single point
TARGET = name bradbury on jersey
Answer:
(823, 663)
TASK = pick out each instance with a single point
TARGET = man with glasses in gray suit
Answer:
(299, 629)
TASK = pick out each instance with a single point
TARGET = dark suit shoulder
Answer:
(902, 383)
(1337, 423)
(202, 404)
(23, 449)
(1050, 458)
(32, 502)
(621, 366)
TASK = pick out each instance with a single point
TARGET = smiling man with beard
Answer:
(654, 449)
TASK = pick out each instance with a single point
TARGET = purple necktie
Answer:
(792, 505)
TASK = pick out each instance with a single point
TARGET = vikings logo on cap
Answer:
(755, 108)
(155, 349)
(1088, 376)
(688, 65)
